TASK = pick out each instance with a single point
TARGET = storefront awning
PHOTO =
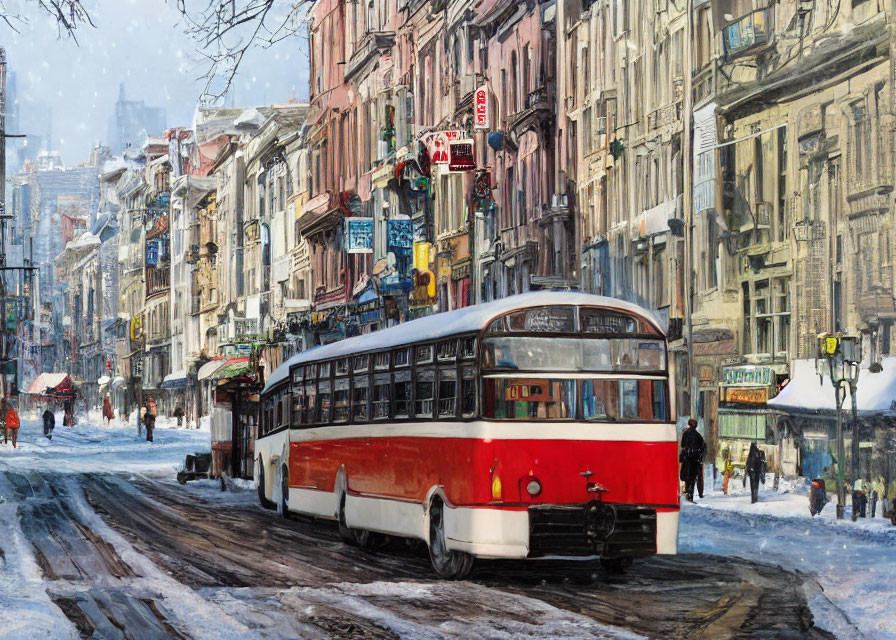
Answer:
(233, 368)
(175, 380)
(806, 393)
(119, 381)
(205, 371)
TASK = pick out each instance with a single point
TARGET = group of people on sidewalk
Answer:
(693, 453)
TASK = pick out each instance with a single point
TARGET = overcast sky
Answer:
(142, 44)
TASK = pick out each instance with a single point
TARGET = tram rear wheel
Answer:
(262, 498)
(448, 564)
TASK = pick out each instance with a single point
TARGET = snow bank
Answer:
(854, 561)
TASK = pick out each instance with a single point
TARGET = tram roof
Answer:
(442, 325)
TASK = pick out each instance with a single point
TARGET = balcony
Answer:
(369, 49)
(157, 281)
(747, 33)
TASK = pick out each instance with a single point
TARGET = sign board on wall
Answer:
(438, 145)
(749, 395)
(462, 157)
(480, 108)
(359, 235)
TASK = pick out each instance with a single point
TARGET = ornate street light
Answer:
(839, 358)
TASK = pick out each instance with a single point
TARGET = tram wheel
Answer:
(345, 533)
(451, 565)
(262, 498)
(616, 565)
(370, 540)
(283, 503)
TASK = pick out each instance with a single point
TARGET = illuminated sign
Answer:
(480, 108)
(462, 158)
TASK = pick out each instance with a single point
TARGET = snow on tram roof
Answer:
(440, 325)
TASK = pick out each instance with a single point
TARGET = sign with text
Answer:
(747, 395)
(462, 158)
(359, 235)
(480, 108)
(438, 145)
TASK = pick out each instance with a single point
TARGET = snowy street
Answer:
(99, 540)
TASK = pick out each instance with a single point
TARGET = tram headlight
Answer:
(533, 487)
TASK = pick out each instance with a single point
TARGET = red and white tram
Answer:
(535, 425)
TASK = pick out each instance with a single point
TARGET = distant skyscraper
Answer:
(132, 121)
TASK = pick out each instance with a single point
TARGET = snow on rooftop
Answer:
(466, 320)
(875, 392)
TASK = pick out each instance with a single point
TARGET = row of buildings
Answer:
(457, 151)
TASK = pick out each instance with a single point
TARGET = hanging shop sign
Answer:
(748, 376)
(480, 108)
(462, 158)
(359, 235)
(400, 234)
(438, 145)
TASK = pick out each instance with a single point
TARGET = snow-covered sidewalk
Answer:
(90, 447)
(855, 562)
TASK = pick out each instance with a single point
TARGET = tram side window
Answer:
(468, 348)
(381, 361)
(403, 394)
(322, 411)
(424, 392)
(624, 400)
(360, 396)
(381, 386)
(468, 393)
(447, 393)
(309, 405)
(298, 401)
(341, 401)
(447, 350)
(280, 403)
(529, 398)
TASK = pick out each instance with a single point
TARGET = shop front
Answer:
(806, 408)
(745, 417)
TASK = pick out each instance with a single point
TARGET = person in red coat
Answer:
(107, 410)
(12, 423)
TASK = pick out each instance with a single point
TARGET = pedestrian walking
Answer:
(693, 450)
(12, 423)
(179, 414)
(859, 500)
(108, 414)
(755, 471)
(150, 418)
(49, 423)
(728, 470)
(877, 494)
(68, 416)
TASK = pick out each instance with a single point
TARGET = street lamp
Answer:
(839, 358)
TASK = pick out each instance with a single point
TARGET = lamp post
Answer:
(839, 357)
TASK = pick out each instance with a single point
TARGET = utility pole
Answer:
(687, 114)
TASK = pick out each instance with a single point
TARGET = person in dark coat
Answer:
(693, 450)
(150, 418)
(755, 471)
(49, 423)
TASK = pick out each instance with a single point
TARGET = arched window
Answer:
(371, 17)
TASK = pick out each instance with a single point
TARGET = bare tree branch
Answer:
(225, 30)
(70, 15)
